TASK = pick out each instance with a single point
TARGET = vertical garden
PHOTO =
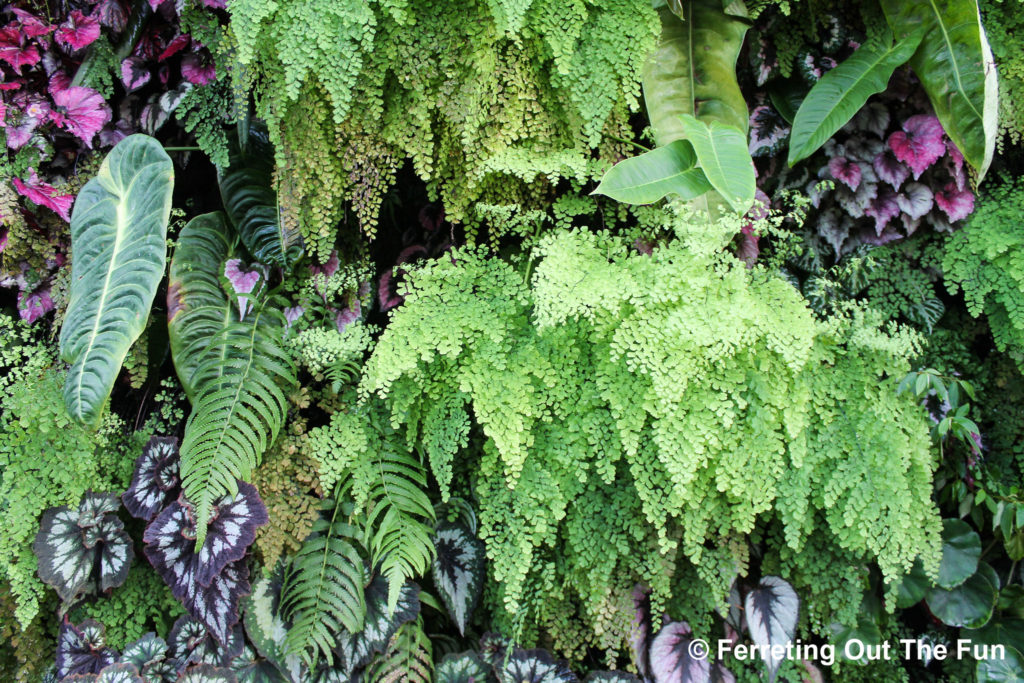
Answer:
(511, 341)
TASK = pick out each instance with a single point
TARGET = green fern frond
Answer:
(409, 658)
(238, 409)
(323, 591)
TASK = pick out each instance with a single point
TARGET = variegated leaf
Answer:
(772, 609)
(207, 673)
(155, 481)
(266, 629)
(120, 673)
(250, 667)
(94, 506)
(464, 667)
(611, 677)
(356, 650)
(535, 666)
(672, 657)
(459, 571)
(150, 656)
(190, 642)
(82, 649)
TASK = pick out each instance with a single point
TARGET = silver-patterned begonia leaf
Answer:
(150, 656)
(673, 659)
(356, 650)
(190, 642)
(266, 629)
(82, 649)
(458, 571)
(250, 667)
(535, 666)
(611, 677)
(772, 610)
(155, 480)
(120, 673)
(207, 673)
(464, 667)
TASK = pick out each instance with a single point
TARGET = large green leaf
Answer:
(693, 70)
(246, 188)
(955, 66)
(198, 308)
(843, 91)
(663, 171)
(119, 244)
(723, 156)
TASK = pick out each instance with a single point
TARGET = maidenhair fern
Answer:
(643, 415)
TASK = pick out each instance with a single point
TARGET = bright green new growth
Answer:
(118, 234)
(636, 408)
(986, 261)
(490, 101)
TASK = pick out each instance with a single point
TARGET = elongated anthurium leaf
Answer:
(118, 236)
(954, 64)
(155, 481)
(534, 666)
(198, 308)
(246, 188)
(266, 629)
(723, 156)
(656, 174)
(672, 655)
(82, 649)
(356, 649)
(693, 70)
(83, 550)
(464, 667)
(459, 571)
(772, 609)
(841, 92)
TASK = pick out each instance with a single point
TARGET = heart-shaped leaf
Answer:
(961, 548)
(841, 92)
(355, 650)
(464, 667)
(118, 235)
(534, 666)
(672, 657)
(971, 603)
(647, 178)
(459, 571)
(723, 156)
(266, 629)
(772, 611)
(955, 66)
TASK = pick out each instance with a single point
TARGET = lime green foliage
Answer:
(319, 349)
(143, 604)
(1004, 25)
(46, 460)
(489, 100)
(22, 353)
(985, 260)
(642, 414)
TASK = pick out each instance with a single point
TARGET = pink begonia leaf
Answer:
(198, 69)
(916, 200)
(845, 171)
(81, 111)
(387, 291)
(78, 30)
(176, 45)
(13, 52)
(883, 209)
(955, 165)
(43, 194)
(920, 143)
(347, 315)
(4, 234)
(12, 85)
(857, 203)
(35, 305)
(749, 249)
(155, 3)
(327, 269)
(292, 314)
(890, 169)
(32, 25)
(134, 73)
(19, 134)
(59, 81)
(956, 204)
(113, 14)
(242, 281)
(215, 4)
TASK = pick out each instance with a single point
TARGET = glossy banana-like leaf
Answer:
(119, 244)
(723, 156)
(955, 66)
(198, 308)
(656, 174)
(841, 92)
(693, 70)
(250, 201)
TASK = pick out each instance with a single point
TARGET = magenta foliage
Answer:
(920, 143)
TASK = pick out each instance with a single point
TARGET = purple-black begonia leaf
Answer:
(82, 649)
(889, 169)
(857, 203)
(94, 506)
(459, 571)
(355, 650)
(81, 111)
(176, 45)
(916, 200)
(920, 143)
(768, 131)
(675, 659)
(122, 672)
(835, 228)
(956, 204)
(845, 171)
(112, 13)
(720, 674)
(772, 610)
(640, 638)
(78, 31)
(148, 650)
(134, 73)
(883, 208)
(863, 150)
(207, 673)
(155, 481)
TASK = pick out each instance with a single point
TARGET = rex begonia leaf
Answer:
(82, 112)
(890, 169)
(857, 203)
(82, 649)
(611, 677)
(915, 200)
(266, 628)
(883, 208)
(356, 650)
(155, 481)
(78, 30)
(535, 666)
(672, 657)
(459, 571)
(150, 656)
(120, 673)
(772, 610)
(207, 673)
(462, 667)
(250, 667)
(640, 636)
(919, 144)
(956, 204)
(190, 642)
(845, 171)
